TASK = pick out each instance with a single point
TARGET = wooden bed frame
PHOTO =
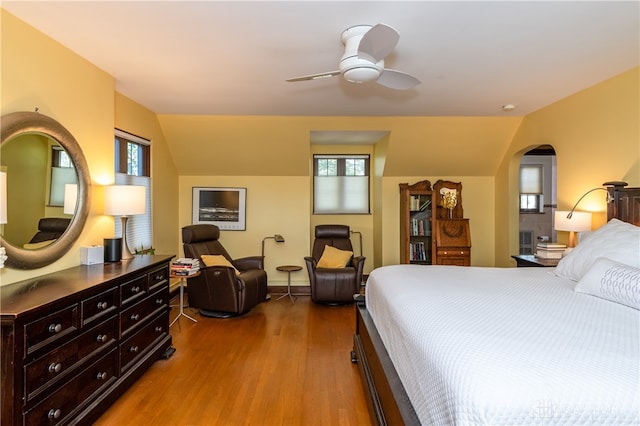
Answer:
(387, 399)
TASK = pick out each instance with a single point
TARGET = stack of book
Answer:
(185, 266)
(550, 250)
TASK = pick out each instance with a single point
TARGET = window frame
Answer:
(341, 174)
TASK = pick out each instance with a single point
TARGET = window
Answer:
(62, 173)
(133, 167)
(340, 184)
(531, 188)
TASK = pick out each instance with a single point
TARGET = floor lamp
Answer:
(124, 201)
(278, 239)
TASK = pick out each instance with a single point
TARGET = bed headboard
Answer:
(625, 204)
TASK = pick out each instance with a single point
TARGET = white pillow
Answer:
(612, 281)
(617, 240)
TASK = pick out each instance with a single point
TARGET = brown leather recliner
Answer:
(218, 291)
(333, 285)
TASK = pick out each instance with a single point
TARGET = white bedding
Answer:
(506, 346)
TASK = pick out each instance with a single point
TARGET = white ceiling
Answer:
(232, 58)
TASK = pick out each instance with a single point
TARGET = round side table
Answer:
(289, 269)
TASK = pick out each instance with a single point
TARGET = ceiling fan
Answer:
(366, 47)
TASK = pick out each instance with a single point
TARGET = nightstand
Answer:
(529, 260)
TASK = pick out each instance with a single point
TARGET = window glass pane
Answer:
(531, 179)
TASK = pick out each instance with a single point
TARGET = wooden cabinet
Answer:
(416, 236)
(74, 340)
(431, 233)
(453, 242)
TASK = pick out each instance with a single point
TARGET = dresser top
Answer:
(32, 293)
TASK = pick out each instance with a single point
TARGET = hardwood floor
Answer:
(280, 364)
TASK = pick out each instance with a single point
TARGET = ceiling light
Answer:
(508, 107)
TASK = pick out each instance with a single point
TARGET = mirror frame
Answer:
(17, 123)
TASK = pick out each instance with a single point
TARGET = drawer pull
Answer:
(101, 338)
(159, 277)
(55, 368)
(135, 289)
(159, 302)
(159, 329)
(55, 328)
(135, 317)
(54, 414)
(133, 349)
(102, 305)
(101, 375)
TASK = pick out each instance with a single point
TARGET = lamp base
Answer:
(126, 254)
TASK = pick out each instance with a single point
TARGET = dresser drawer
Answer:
(51, 328)
(61, 404)
(158, 277)
(133, 290)
(61, 361)
(138, 344)
(138, 313)
(100, 305)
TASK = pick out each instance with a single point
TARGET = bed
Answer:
(509, 346)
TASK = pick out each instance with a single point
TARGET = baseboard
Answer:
(297, 290)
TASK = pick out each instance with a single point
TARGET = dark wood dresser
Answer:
(74, 340)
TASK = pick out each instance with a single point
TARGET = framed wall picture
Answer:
(223, 207)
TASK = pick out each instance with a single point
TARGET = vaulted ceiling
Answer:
(232, 57)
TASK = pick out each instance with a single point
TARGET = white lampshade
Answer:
(579, 222)
(3, 197)
(124, 200)
(70, 198)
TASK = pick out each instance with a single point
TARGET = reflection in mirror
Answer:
(43, 162)
(39, 168)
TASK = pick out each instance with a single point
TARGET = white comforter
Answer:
(506, 346)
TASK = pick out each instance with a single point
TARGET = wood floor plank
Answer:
(281, 364)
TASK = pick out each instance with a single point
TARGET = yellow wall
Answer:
(135, 119)
(595, 133)
(38, 72)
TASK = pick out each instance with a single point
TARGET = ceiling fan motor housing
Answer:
(352, 67)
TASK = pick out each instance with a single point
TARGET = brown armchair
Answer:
(333, 285)
(218, 291)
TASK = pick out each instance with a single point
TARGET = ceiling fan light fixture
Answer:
(361, 74)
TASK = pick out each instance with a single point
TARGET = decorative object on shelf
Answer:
(124, 201)
(277, 237)
(449, 199)
(224, 207)
(573, 222)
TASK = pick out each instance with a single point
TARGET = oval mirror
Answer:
(12, 127)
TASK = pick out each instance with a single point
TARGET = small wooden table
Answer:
(289, 269)
(183, 281)
(528, 260)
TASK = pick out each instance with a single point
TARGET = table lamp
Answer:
(573, 222)
(124, 201)
(70, 198)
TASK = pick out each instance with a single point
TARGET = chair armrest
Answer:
(250, 262)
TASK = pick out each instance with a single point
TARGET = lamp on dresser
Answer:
(124, 201)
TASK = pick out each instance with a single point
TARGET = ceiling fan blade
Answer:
(315, 76)
(397, 80)
(378, 42)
